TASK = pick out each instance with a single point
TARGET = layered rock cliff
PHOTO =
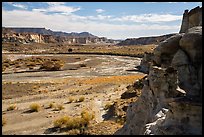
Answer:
(171, 99)
(42, 35)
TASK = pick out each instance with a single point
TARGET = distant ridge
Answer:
(145, 40)
(45, 31)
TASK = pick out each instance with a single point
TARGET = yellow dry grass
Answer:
(113, 79)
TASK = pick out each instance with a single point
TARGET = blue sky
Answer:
(117, 20)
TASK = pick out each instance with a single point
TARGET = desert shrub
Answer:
(3, 121)
(52, 105)
(11, 107)
(87, 116)
(121, 120)
(61, 122)
(74, 122)
(52, 65)
(58, 107)
(71, 99)
(81, 99)
(34, 107)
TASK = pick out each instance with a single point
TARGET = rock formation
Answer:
(42, 35)
(191, 19)
(144, 40)
(171, 98)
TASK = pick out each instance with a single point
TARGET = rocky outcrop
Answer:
(191, 19)
(145, 63)
(22, 38)
(144, 40)
(171, 98)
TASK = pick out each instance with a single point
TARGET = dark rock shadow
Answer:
(28, 111)
(110, 114)
(52, 130)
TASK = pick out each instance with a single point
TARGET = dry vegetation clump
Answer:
(61, 122)
(34, 107)
(11, 107)
(52, 65)
(71, 99)
(77, 122)
(121, 120)
(87, 116)
(81, 99)
(3, 121)
(52, 105)
(58, 107)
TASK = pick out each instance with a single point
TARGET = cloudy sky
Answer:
(116, 20)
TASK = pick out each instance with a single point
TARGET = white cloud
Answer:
(21, 6)
(58, 7)
(100, 10)
(76, 23)
(55, 3)
(99, 17)
(150, 18)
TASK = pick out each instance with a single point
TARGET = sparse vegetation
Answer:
(58, 107)
(74, 122)
(52, 105)
(52, 65)
(81, 99)
(11, 107)
(87, 116)
(34, 107)
(3, 121)
(71, 99)
(61, 122)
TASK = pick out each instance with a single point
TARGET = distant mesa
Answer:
(42, 35)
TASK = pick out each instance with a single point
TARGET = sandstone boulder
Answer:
(191, 43)
(163, 54)
(146, 62)
(180, 58)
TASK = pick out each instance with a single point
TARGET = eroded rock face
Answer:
(165, 51)
(191, 43)
(191, 19)
(145, 63)
(170, 102)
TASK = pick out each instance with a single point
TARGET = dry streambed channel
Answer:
(98, 79)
